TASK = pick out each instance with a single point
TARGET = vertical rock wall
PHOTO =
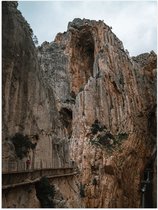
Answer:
(114, 94)
(83, 91)
(21, 197)
(29, 107)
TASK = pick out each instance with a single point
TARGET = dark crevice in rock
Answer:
(82, 59)
(109, 170)
(152, 122)
(86, 46)
(66, 119)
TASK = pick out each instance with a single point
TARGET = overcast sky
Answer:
(134, 22)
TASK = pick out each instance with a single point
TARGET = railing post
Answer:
(143, 189)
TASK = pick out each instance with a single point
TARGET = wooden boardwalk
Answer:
(18, 178)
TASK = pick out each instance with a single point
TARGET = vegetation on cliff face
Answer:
(96, 126)
(84, 97)
(22, 144)
(45, 193)
(103, 138)
(82, 190)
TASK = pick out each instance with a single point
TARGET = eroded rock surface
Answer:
(91, 96)
(104, 86)
(29, 108)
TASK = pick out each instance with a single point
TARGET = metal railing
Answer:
(20, 166)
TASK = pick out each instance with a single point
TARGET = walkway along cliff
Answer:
(83, 112)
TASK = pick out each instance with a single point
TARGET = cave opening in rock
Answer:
(82, 59)
(86, 44)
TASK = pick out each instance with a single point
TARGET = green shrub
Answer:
(73, 95)
(96, 126)
(22, 144)
(35, 40)
(105, 140)
(121, 136)
(82, 191)
(45, 192)
(94, 182)
(108, 141)
(81, 89)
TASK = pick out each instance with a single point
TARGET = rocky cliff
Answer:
(87, 100)
(29, 109)
(28, 106)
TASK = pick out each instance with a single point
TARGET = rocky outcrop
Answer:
(21, 197)
(29, 108)
(84, 97)
(113, 102)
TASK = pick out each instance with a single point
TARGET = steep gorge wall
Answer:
(83, 91)
(66, 195)
(29, 108)
(109, 91)
(121, 96)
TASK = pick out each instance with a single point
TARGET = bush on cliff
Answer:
(96, 126)
(108, 141)
(22, 144)
(82, 190)
(45, 193)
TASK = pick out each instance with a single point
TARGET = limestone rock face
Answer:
(113, 103)
(67, 192)
(28, 105)
(87, 100)
(23, 197)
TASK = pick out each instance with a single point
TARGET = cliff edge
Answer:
(89, 103)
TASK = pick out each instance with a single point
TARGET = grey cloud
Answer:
(134, 22)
